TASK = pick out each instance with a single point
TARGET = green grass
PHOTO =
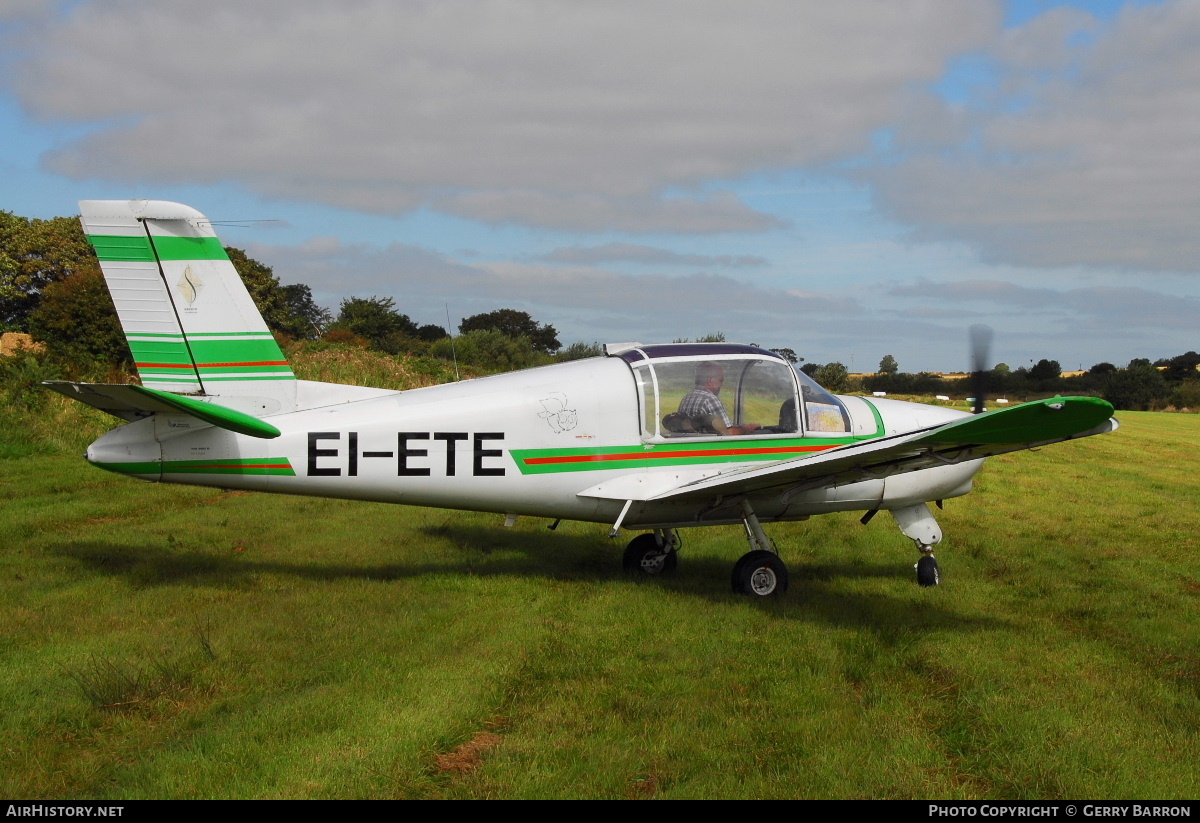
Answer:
(170, 642)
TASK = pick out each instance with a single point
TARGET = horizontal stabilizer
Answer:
(131, 402)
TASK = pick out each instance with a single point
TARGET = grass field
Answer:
(169, 642)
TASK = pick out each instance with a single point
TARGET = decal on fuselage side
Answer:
(327, 457)
(556, 414)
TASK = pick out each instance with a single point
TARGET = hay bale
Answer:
(14, 342)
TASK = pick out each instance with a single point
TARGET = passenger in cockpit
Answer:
(703, 406)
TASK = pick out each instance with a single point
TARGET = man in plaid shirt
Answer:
(705, 408)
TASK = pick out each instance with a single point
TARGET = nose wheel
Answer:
(927, 571)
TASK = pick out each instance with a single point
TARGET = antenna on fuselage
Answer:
(452, 353)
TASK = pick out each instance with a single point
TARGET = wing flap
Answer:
(644, 485)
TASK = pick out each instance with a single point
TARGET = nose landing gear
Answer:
(918, 524)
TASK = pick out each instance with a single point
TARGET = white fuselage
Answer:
(527, 443)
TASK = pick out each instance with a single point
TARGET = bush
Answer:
(1187, 396)
(578, 351)
(514, 324)
(833, 376)
(490, 350)
(77, 321)
(21, 378)
(1134, 388)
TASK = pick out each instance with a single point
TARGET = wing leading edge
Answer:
(1005, 430)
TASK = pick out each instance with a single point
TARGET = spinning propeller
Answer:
(981, 344)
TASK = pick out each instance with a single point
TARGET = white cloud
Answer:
(1103, 307)
(585, 115)
(582, 301)
(1088, 154)
(636, 253)
(22, 10)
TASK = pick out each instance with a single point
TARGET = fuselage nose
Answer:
(901, 416)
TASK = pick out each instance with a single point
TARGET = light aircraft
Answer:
(607, 439)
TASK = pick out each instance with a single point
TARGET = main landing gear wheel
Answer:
(760, 574)
(927, 571)
(643, 554)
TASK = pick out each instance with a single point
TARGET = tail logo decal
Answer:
(189, 285)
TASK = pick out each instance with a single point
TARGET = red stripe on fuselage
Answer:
(168, 467)
(668, 455)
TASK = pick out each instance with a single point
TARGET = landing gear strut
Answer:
(653, 553)
(759, 572)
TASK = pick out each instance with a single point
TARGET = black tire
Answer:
(927, 571)
(644, 555)
(760, 574)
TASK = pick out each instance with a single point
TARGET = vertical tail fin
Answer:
(190, 323)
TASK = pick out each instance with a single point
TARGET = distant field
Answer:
(168, 642)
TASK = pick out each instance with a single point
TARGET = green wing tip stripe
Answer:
(219, 416)
(1040, 421)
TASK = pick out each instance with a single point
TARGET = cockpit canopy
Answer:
(752, 386)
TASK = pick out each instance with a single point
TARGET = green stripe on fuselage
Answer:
(278, 466)
(669, 454)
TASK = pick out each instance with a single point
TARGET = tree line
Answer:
(1167, 383)
(51, 287)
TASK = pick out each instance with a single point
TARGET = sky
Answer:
(847, 180)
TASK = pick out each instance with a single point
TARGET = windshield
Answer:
(823, 411)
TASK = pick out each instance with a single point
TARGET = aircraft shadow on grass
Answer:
(472, 551)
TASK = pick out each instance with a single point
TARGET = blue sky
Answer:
(848, 180)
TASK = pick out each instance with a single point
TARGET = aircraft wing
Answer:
(1021, 427)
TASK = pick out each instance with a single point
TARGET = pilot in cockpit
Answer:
(703, 406)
